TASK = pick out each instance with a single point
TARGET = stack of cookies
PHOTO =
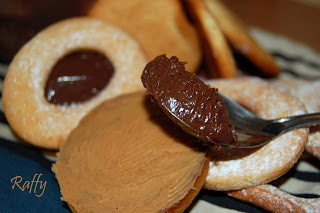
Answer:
(120, 147)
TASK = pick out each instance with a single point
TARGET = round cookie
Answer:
(127, 156)
(161, 27)
(218, 54)
(238, 35)
(313, 144)
(232, 169)
(28, 112)
(305, 91)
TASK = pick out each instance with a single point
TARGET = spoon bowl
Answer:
(251, 130)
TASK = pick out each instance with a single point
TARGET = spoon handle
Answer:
(288, 123)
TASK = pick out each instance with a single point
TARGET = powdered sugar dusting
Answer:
(33, 64)
(276, 200)
(241, 170)
(305, 91)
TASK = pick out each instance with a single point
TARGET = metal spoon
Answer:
(251, 130)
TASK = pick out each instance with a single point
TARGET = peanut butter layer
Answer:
(126, 156)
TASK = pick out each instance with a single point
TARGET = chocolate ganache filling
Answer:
(77, 77)
(189, 100)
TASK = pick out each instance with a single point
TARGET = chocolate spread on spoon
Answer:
(194, 106)
(77, 77)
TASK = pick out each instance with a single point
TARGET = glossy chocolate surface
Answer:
(77, 77)
(188, 99)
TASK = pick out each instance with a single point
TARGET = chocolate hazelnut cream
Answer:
(127, 156)
(77, 77)
(189, 100)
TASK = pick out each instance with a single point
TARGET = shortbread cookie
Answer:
(307, 92)
(217, 52)
(161, 27)
(27, 110)
(232, 169)
(240, 39)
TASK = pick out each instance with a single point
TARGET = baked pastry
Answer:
(238, 35)
(305, 91)
(129, 157)
(161, 27)
(27, 110)
(232, 169)
(275, 200)
(218, 55)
